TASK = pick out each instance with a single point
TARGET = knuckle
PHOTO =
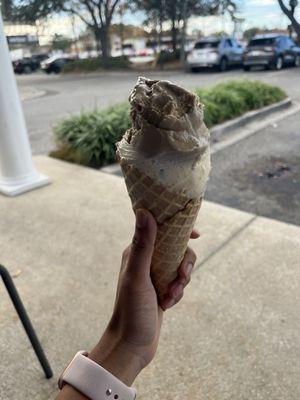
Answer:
(191, 254)
(188, 280)
(138, 244)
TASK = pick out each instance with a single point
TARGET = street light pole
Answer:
(17, 172)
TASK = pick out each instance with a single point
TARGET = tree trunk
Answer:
(159, 41)
(102, 39)
(183, 32)
(174, 34)
(290, 14)
(160, 19)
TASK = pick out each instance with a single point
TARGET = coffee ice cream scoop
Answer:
(168, 139)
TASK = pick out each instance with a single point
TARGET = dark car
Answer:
(40, 57)
(26, 65)
(55, 64)
(273, 52)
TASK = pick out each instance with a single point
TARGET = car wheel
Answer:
(223, 64)
(27, 69)
(297, 61)
(246, 68)
(278, 63)
(56, 70)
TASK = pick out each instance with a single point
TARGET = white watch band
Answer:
(93, 381)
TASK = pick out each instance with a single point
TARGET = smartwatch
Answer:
(93, 381)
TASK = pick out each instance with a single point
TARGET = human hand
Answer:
(131, 338)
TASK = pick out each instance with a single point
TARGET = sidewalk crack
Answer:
(224, 244)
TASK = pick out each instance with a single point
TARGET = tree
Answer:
(6, 9)
(177, 12)
(61, 42)
(250, 33)
(223, 6)
(289, 10)
(96, 14)
(155, 12)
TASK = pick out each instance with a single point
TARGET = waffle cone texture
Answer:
(175, 215)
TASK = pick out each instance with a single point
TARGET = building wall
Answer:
(45, 31)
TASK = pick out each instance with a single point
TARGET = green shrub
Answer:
(96, 64)
(231, 99)
(89, 138)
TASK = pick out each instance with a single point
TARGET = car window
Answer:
(290, 42)
(207, 45)
(262, 42)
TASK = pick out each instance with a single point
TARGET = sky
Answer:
(258, 13)
(264, 13)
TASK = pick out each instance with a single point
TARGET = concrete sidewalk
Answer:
(30, 92)
(234, 336)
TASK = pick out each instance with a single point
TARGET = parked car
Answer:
(272, 52)
(26, 65)
(215, 52)
(55, 64)
(40, 57)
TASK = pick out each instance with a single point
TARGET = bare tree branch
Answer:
(99, 6)
(91, 10)
(74, 11)
(283, 7)
(290, 15)
(113, 8)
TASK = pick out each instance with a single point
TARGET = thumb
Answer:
(142, 244)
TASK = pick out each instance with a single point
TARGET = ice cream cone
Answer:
(175, 215)
(165, 159)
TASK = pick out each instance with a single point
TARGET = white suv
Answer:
(215, 52)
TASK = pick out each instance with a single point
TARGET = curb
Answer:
(221, 129)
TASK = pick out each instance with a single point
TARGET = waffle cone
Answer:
(175, 215)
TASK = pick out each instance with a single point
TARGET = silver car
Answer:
(215, 52)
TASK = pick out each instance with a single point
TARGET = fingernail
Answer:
(141, 219)
(188, 268)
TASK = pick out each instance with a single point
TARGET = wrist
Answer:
(117, 359)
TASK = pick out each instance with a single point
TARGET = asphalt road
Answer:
(70, 94)
(260, 174)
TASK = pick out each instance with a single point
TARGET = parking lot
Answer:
(62, 95)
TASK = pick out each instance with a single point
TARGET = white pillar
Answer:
(17, 172)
